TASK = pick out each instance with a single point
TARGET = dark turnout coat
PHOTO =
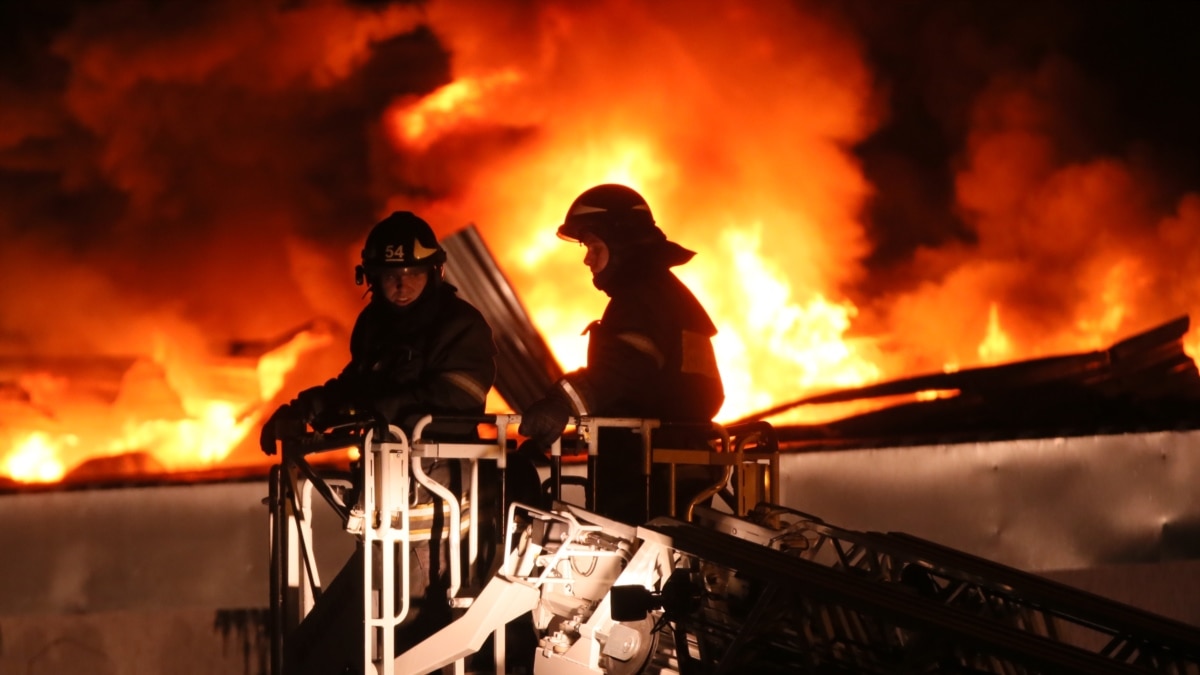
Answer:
(436, 356)
(650, 354)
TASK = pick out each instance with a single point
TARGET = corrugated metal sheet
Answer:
(1036, 504)
(525, 366)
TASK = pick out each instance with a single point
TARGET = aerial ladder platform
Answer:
(737, 583)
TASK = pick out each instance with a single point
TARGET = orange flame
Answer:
(709, 171)
(34, 459)
(184, 413)
(736, 124)
(446, 108)
(741, 153)
(996, 347)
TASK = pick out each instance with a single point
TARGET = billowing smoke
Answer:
(206, 165)
(1062, 151)
(874, 189)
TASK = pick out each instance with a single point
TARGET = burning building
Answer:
(875, 192)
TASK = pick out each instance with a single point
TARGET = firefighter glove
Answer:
(545, 420)
(274, 428)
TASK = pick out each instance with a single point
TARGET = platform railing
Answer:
(380, 511)
(381, 518)
(749, 453)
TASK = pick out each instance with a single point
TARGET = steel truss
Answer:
(942, 610)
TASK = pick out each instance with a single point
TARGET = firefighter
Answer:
(416, 348)
(649, 355)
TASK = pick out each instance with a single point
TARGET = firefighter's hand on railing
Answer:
(303, 433)
(290, 420)
(545, 420)
(284, 423)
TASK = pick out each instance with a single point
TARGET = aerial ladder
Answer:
(737, 583)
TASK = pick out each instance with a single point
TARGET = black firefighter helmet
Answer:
(620, 217)
(400, 240)
(616, 214)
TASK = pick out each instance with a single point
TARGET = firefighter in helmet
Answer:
(416, 349)
(649, 355)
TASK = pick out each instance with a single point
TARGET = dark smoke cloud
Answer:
(1120, 69)
(1035, 155)
(191, 163)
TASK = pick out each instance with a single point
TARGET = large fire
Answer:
(172, 415)
(736, 124)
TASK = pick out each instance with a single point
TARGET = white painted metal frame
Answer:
(387, 467)
(300, 574)
(386, 513)
(385, 499)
